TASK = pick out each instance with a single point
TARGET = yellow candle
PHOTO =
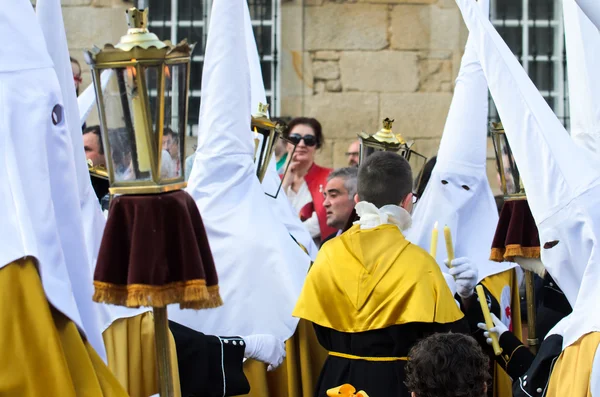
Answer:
(434, 241)
(141, 139)
(449, 246)
(488, 319)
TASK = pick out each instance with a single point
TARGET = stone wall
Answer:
(355, 63)
(352, 63)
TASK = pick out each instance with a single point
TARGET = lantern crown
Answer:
(261, 119)
(385, 138)
(139, 43)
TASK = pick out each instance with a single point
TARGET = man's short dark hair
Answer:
(447, 365)
(95, 129)
(384, 178)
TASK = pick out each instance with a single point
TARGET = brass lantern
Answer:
(143, 111)
(386, 140)
(265, 137)
(266, 134)
(510, 179)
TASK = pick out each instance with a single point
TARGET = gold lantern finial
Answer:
(137, 19)
(138, 34)
(387, 124)
(263, 110)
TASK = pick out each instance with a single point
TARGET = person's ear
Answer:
(407, 202)
(413, 394)
(485, 388)
(356, 199)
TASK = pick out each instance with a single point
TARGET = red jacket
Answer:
(316, 179)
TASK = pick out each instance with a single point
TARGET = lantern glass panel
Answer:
(125, 128)
(173, 138)
(509, 166)
(367, 150)
(151, 74)
(416, 160)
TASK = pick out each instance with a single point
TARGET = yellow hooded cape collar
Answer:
(369, 279)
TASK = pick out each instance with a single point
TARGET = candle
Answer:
(449, 246)
(139, 126)
(434, 241)
(141, 140)
(488, 319)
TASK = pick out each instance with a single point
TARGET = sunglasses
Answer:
(309, 140)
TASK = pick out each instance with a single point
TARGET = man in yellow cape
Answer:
(371, 294)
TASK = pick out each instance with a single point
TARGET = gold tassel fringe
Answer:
(512, 250)
(189, 294)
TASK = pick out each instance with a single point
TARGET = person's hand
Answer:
(465, 274)
(265, 348)
(290, 175)
(499, 328)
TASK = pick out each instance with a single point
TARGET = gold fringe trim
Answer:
(191, 294)
(512, 250)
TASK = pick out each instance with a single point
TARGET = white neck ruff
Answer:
(371, 216)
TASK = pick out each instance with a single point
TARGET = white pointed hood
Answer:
(38, 195)
(87, 99)
(458, 193)
(582, 43)
(49, 14)
(259, 277)
(281, 206)
(562, 180)
(591, 8)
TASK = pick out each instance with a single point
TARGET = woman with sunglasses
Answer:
(305, 180)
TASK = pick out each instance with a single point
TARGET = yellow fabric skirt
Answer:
(298, 375)
(572, 372)
(43, 353)
(131, 353)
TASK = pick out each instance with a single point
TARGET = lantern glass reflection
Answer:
(508, 173)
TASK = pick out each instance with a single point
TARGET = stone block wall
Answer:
(351, 63)
(357, 62)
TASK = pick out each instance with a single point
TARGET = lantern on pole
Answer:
(154, 250)
(521, 239)
(386, 140)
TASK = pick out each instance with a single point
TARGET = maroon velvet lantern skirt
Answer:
(155, 252)
(516, 234)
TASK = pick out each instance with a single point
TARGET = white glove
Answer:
(265, 348)
(465, 274)
(499, 328)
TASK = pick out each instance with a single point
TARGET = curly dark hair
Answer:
(447, 365)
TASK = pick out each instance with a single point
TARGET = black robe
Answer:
(378, 379)
(209, 366)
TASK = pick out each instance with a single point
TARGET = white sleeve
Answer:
(595, 378)
(312, 225)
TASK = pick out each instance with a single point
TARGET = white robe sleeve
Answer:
(312, 224)
(595, 378)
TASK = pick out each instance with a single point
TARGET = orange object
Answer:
(346, 390)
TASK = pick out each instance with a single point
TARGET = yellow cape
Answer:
(372, 279)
